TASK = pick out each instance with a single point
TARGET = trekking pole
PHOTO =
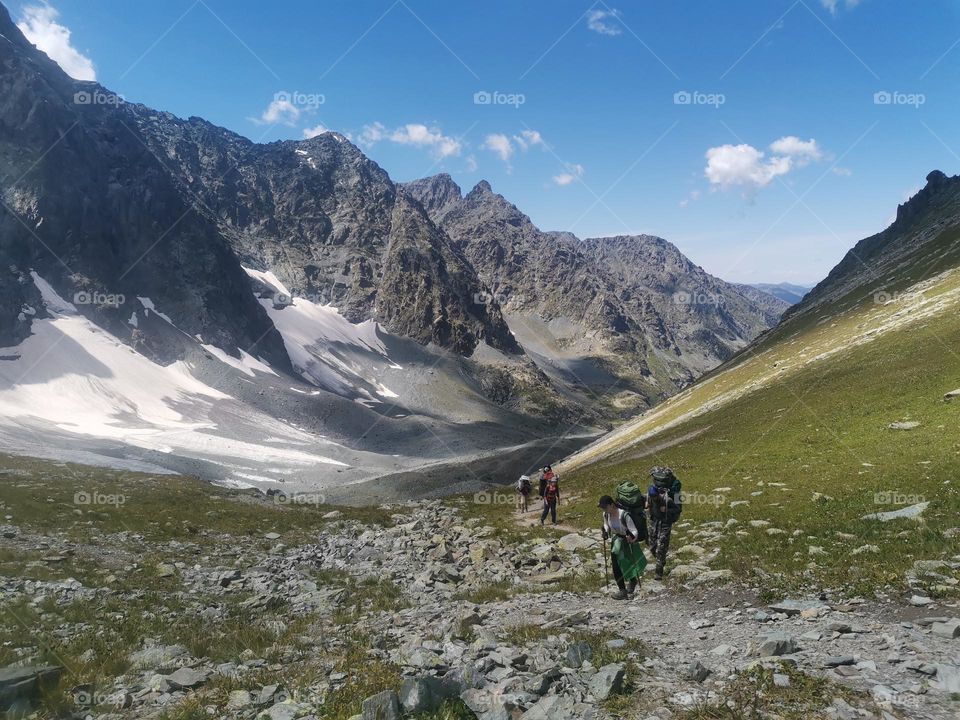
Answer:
(606, 574)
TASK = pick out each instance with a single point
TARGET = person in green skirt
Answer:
(626, 553)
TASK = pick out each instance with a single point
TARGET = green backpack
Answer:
(631, 499)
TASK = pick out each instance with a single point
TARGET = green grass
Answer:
(754, 696)
(821, 428)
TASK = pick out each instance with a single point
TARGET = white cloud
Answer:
(414, 134)
(471, 163)
(280, 110)
(501, 145)
(842, 171)
(745, 165)
(39, 25)
(730, 165)
(693, 197)
(573, 172)
(420, 135)
(529, 138)
(314, 131)
(834, 5)
(599, 21)
(372, 134)
(802, 151)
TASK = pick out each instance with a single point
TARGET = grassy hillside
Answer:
(797, 429)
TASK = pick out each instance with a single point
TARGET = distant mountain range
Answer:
(787, 292)
(294, 285)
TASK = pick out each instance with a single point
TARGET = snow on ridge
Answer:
(312, 332)
(54, 303)
(80, 388)
(246, 364)
(149, 306)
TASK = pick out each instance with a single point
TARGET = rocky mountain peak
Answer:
(937, 183)
(437, 193)
(480, 189)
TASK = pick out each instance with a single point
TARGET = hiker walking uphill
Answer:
(524, 488)
(550, 493)
(665, 503)
(626, 552)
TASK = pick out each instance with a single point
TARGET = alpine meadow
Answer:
(407, 360)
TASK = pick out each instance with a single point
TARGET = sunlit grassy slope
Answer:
(798, 427)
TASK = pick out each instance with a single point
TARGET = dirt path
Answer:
(531, 518)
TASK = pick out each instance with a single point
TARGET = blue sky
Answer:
(747, 132)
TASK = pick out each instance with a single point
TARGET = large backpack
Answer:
(632, 500)
(525, 485)
(552, 489)
(675, 491)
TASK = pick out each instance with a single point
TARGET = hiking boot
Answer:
(620, 594)
(659, 574)
(632, 588)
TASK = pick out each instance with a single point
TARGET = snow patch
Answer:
(149, 306)
(246, 364)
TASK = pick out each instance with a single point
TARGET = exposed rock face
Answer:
(922, 236)
(333, 227)
(633, 307)
(88, 207)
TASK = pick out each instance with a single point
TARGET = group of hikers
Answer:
(631, 517)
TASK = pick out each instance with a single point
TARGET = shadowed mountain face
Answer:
(629, 308)
(294, 283)
(920, 243)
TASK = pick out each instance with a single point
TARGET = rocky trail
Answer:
(383, 622)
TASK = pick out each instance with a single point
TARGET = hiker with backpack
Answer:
(626, 550)
(665, 503)
(550, 493)
(524, 488)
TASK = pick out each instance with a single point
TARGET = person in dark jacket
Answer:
(665, 504)
(549, 493)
